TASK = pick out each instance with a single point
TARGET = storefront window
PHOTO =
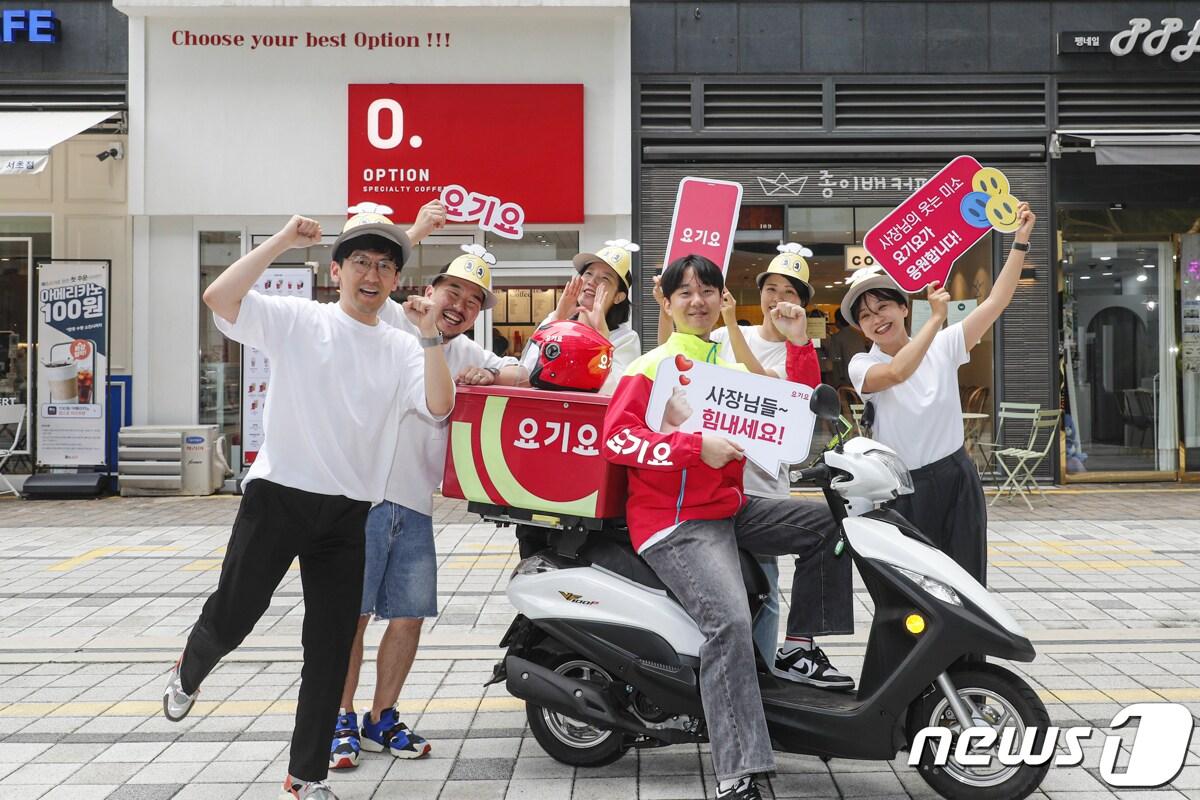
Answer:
(220, 357)
(1124, 330)
(1189, 349)
(834, 235)
(23, 242)
(534, 246)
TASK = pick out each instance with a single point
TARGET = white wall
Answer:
(235, 131)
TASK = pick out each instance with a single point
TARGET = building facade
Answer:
(831, 113)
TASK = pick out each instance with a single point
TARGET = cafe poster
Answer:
(72, 363)
(256, 367)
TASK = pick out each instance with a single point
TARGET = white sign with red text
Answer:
(770, 418)
(502, 219)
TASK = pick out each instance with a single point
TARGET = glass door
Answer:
(1189, 350)
(16, 328)
(1119, 360)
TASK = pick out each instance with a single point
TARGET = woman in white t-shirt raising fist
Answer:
(913, 384)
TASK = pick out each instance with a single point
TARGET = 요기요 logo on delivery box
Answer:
(1156, 754)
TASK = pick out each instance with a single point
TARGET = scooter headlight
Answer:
(934, 587)
(896, 467)
(534, 565)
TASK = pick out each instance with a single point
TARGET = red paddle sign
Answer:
(919, 242)
(706, 213)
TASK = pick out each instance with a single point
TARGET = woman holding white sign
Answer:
(688, 515)
(913, 384)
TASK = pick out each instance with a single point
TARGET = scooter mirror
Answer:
(824, 403)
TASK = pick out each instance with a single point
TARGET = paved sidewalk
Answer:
(97, 596)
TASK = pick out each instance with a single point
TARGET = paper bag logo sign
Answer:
(770, 418)
(920, 241)
(705, 218)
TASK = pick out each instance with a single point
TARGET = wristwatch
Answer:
(1022, 246)
(431, 341)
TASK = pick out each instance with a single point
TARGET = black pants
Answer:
(948, 506)
(274, 525)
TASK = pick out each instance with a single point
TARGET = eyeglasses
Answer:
(362, 265)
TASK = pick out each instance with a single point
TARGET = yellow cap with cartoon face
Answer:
(616, 253)
(791, 264)
(474, 266)
(371, 218)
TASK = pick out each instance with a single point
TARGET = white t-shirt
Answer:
(337, 392)
(627, 348)
(921, 419)
(420, 452)
(756, 481)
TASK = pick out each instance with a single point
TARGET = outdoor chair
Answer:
(10, 415)
(1019, 463)
(1010, 414)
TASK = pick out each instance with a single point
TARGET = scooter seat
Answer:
(620, 558)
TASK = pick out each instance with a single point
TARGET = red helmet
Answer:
(568, 355)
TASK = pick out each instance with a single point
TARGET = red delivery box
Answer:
(532, 449)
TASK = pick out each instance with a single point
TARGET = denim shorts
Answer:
(400, 579)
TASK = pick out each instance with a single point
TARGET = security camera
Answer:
(114, 151)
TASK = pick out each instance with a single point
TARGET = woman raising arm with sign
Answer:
(913, 384)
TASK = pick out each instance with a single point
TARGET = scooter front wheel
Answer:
(570, 741)
(1003, 701)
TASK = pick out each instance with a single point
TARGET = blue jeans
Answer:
(699, 563)
(766, 624)
(400, 578)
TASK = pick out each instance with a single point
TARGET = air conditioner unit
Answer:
(170, 460)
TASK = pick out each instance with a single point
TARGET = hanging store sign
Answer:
(519, 142)
(72, 368)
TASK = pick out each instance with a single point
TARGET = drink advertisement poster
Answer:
(256, 367)
(72, 363)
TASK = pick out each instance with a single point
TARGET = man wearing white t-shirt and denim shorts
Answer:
(400, 581)
(340, 383)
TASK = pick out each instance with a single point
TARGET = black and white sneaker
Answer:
(744, 789)
(176, 702)
(812, 667)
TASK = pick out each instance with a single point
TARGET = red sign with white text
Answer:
(919, 242)
(706, 215)
(519, 142)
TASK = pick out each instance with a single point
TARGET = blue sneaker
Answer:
(346, 746)
(392, 735)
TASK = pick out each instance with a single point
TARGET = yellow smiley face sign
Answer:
(990, 181)
(1001, 209)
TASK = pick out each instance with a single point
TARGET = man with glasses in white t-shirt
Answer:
(340, 383)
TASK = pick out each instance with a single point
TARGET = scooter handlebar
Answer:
(818, 474)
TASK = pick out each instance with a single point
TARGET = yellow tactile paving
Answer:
(101, 552)
(1081, 696)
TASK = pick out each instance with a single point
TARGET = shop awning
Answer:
(27, 136)
(1128, 148)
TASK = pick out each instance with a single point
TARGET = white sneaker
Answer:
(812, 667)
(176, 702)
(306, 790)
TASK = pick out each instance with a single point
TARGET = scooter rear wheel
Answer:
(1004, 701)
(571, 741)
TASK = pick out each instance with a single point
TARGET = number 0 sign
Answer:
(706, 213)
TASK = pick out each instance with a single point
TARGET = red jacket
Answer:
(668, 483)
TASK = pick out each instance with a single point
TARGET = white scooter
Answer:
(606, 659)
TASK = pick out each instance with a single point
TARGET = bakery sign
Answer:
(1141, 36)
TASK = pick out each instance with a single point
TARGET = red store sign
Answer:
(521, 142)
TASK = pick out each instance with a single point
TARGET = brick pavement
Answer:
(96, 597)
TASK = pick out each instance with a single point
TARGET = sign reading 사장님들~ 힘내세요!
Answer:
(72, 367)
(256, 366)
(918, 242)
(770, 418)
